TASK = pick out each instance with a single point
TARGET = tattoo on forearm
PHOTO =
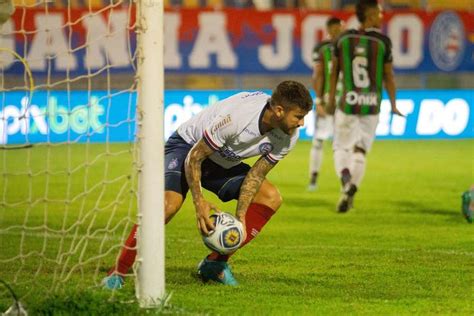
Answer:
(251, 185)
(192, 168)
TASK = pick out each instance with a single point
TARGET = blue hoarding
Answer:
(100, 116)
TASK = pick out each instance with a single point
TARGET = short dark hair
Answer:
(362, 6)
(292, 93)
(332, 21)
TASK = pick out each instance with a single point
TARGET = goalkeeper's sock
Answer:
(127, 255)
(256, 217)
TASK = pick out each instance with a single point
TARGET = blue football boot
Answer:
(218, 271)
(113, 282)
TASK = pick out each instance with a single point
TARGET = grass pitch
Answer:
(404, 249)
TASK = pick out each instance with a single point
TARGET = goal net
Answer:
(69, 155)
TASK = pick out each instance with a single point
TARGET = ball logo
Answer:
(446, 41)
(231, 238)
(265, 148)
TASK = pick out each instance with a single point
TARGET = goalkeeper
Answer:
(208, 150)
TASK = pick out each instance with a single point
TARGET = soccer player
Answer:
(207, 151)
(365, 59)
(324, 122)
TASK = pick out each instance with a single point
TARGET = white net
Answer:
(68, 171)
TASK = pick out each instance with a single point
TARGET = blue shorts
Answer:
(225, 183)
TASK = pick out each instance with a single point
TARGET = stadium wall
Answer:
(433, 114)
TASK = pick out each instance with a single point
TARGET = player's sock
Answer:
(357, 168)
(341, 160)
(315, 159)
(127, 255)
(346, 177)
(314, 178)
(256, 217)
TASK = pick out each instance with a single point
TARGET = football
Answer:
(227, 235)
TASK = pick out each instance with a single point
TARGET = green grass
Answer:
(404, 249)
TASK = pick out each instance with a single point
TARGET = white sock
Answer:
(341, 160)
(357, 167)
(316, 156)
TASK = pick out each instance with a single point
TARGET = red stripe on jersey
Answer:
(209, 141)
(271, 159)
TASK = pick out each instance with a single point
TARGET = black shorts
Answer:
(225, 183)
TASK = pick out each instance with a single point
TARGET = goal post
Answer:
(81, 149)
(151, 247)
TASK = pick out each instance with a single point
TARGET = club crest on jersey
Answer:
(173, 164)
(225, 121)
(265, 148)
(446, 42)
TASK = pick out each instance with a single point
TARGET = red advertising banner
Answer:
(227, 41)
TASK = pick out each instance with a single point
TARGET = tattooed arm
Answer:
(192, 169)
(251, 185)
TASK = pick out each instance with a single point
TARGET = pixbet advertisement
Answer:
(101, 116)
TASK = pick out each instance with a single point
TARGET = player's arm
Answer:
(331, 106)
(389, 83)
(251, 185)
(318, 85)
(192, 169)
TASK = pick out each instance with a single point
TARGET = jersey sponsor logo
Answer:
(265, 148)
(228, 154)
(446, 41)
(225, 121)
(354, 98)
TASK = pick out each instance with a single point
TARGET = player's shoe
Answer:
(113, 282)
(218, 271)
(467, 210)
(312, 187)
(346, 200)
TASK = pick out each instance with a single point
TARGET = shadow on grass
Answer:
(306, 202)
(410, 207)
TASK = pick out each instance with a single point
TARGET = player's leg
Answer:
(367, 128)
(128, 253)
(365, 132)
(176, 187)
(227, 187)
(345, 127)
(358, 163)
(265, 204)
(315, 154)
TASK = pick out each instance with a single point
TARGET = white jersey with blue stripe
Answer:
(231, 128)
